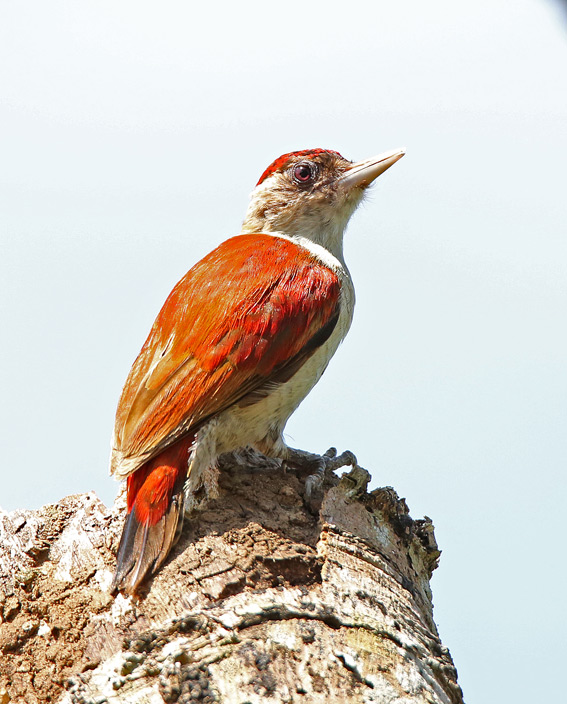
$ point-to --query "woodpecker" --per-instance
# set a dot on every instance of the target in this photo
(239, 343)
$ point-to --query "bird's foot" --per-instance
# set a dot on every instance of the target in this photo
(322, 465)
(247, 458)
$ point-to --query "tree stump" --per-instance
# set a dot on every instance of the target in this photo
(261, 601)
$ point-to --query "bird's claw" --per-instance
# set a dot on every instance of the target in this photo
(326, 464)
(320, 466)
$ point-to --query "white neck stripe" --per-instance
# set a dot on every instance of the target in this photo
(322, 254)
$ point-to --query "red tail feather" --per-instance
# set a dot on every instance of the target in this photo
(155, 514)
(154, 496)
(134, 483)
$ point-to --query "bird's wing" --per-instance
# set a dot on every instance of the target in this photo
(246, 316)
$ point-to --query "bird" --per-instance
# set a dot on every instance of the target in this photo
(240, 341)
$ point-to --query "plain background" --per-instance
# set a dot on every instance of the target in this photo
(131, 136)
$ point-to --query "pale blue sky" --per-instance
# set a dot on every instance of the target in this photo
(131, 135)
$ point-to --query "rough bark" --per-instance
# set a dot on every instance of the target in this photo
(260, 602)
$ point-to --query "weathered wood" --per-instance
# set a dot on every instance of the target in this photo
(260, 602)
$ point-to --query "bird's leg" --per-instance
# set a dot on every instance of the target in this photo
(322, 464)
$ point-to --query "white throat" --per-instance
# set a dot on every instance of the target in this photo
(323, 222)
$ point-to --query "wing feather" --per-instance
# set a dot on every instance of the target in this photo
(247, 315)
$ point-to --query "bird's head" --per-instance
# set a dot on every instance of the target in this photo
(312, 193)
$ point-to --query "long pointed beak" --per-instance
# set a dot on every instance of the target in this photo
(364, 172)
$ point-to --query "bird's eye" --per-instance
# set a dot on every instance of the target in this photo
(303, 173)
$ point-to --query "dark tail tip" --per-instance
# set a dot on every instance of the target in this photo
(144, 547)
